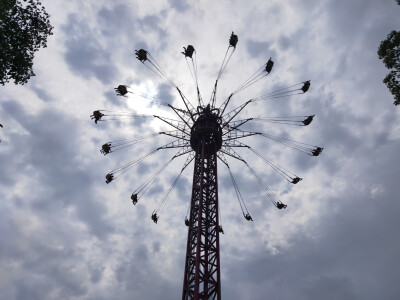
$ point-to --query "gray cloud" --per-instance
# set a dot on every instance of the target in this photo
(42, 94)
(260, 50)
(180, 5)
(84, 53)
(164, 93)
(69, 235)
(51, 159)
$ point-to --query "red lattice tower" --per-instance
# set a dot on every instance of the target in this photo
(202, 267)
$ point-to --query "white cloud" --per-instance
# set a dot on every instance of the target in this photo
(68, 235)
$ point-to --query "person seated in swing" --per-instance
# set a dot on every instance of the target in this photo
(96, 116)
(134, 198)
(154, 217)
(296, 180)
(187, 222)
(233, 40)
(109, 178)
(141, 55)
(269, 65)
(220, 229)
(280, 205)
(121, 90)
(106, 148)
(306, 86)
(188, 51)
(247, 217)
(317, 151)
(308, 120)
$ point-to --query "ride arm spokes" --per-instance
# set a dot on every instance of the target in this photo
(178, 112)
(184, 150)
(222, 158)
(181, 126)
(189, 159)
(232, 153)
(223, 106)
(177, 134)
(214, 94)
(237, 134)
(179, 143)
(186, 102)
(235, 125)
(234, 144)
(232, 114)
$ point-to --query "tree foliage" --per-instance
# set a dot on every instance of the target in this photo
(24, 28)
(389, 51)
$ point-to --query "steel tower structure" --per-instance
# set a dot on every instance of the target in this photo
(202, 267)
(207, 134)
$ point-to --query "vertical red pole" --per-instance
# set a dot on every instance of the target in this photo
(202, 267)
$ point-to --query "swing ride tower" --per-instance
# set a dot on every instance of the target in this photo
(206, 133)
(202, 267)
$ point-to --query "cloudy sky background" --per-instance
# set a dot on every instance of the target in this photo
(68, 235)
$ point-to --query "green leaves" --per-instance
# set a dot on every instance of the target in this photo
(389, 51)
(392, 81)
(24, 28)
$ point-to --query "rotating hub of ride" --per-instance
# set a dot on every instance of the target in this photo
(206, 129)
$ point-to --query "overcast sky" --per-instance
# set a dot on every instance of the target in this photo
(66, 234)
